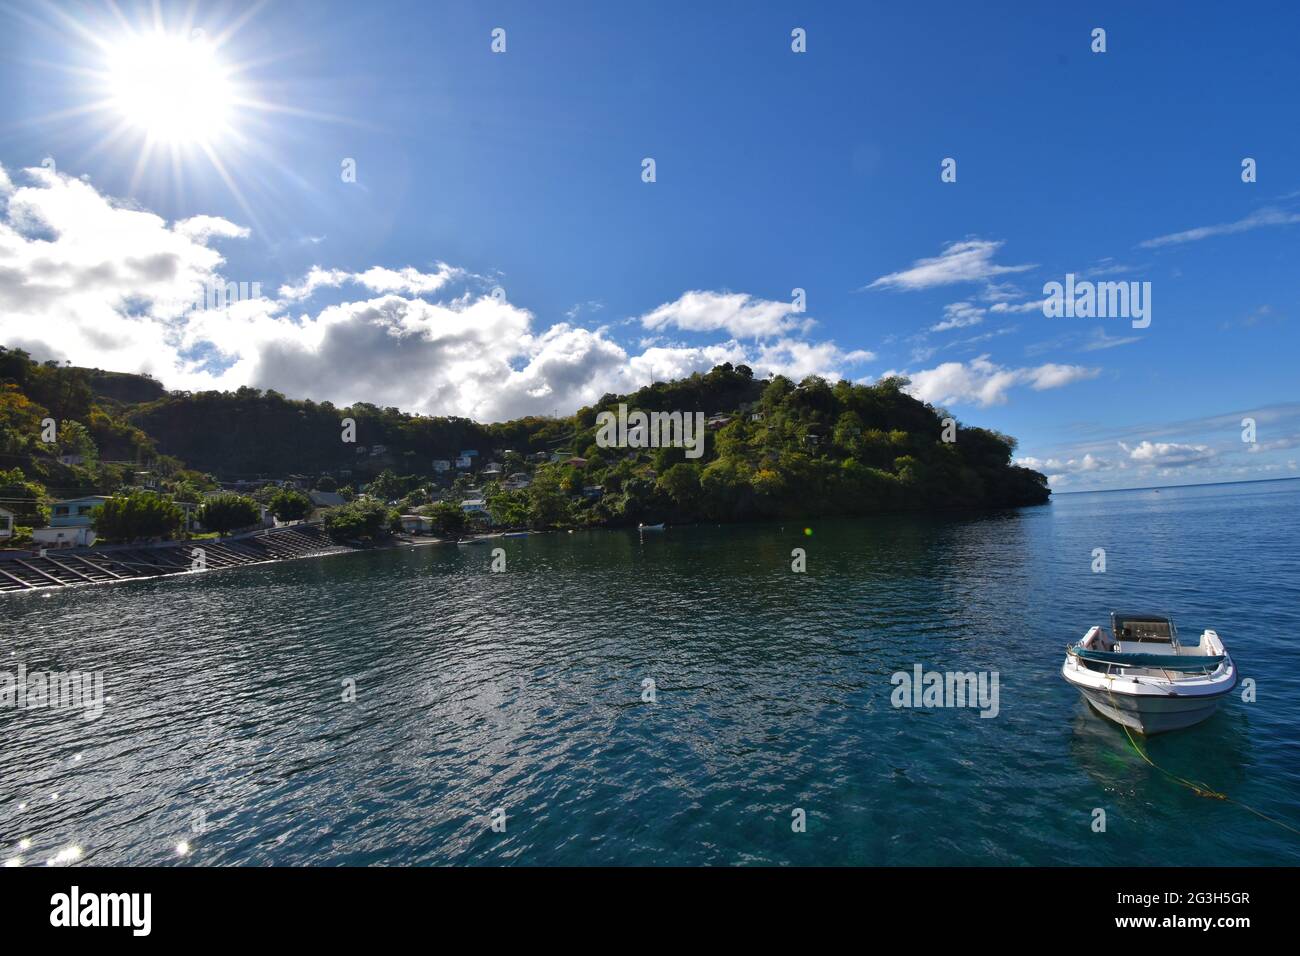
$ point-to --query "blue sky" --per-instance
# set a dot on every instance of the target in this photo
(522, 171)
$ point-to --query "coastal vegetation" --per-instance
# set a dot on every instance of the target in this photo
(362, 521)
(225, 513)
(137, 515)
(772, 448)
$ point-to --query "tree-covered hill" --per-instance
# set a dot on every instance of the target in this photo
(774, 447)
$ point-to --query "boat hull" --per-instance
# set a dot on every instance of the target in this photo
(1152, 715)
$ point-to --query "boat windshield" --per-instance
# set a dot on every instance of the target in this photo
(1143, 629)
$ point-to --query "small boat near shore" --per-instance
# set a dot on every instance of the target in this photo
(1145, 678)
(650, 527)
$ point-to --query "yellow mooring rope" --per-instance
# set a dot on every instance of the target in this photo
(1201, 790)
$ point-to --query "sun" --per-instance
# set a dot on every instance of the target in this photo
(174, 89)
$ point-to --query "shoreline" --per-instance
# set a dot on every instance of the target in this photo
(25, 572)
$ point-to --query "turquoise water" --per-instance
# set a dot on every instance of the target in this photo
(523, 691)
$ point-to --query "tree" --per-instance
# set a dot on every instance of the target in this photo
(140, 514)
(357, 521)
(23, 498)
(681, 483)
(326, 483)
(547, 504)
(508, 509)
(289, 504)
(186, 491)
(74, 439)
(225, 513)
(448, 518)
(386, 486)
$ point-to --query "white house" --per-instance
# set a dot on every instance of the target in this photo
(474, 506)
(416, 524)
(69, 523)
(6, 524)
(64, 537)
(441, 464)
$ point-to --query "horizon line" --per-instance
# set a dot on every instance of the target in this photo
(1192, 484)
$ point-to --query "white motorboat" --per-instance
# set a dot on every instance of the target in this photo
(650, 527)
(1147, 679)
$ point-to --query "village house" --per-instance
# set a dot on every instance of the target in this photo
(6, 524)
(69, 523)
(416, 524)
(326, 499)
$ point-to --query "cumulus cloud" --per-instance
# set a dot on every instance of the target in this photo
(1256, 220)
(409, 281)
(1168, 454)
(1087, 463)
(739, 315)
(85, 279)
(203, 228)
(982, 382)
(968, 261)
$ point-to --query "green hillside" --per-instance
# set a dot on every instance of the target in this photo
(776, 448)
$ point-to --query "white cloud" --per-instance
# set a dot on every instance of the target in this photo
(959, 315)
(1100, 340)
(203, 228)
(409, 281)
(1087, 463)
(105, 285)
(981, 382)
(1033, 305)
(1256, 220)
(1168, 454)
(739, 315)
(968, 261)
(101, 285)
(1052, 375)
